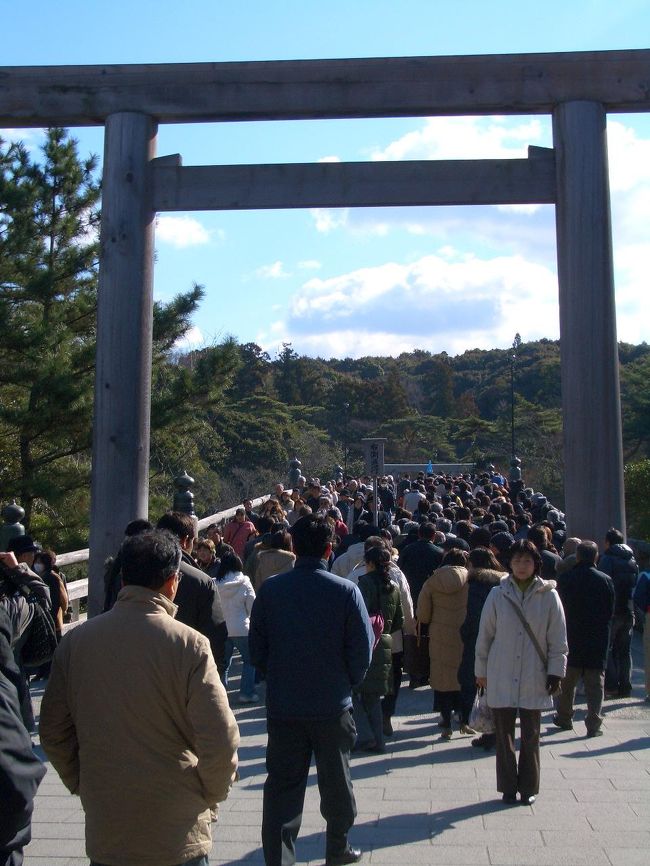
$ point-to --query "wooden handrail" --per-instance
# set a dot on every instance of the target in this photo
(78, 589)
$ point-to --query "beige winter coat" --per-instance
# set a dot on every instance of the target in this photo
(136, 721)
(442, 603)
(270, 562)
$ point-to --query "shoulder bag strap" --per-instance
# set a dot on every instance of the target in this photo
(529, 630)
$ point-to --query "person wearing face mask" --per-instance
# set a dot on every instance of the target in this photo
(521, 656)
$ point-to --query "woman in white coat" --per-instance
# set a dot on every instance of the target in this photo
(509, 666)
(237, 596)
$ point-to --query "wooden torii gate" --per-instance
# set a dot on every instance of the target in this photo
(577, 89)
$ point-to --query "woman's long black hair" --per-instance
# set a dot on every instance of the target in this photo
(229, 562)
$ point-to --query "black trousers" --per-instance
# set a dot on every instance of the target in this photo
(292, 742)
(513, 775)
(388, 701)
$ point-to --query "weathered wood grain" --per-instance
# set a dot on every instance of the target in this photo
(372, 87)
(355, 184)
(593, 450)
(121, 422)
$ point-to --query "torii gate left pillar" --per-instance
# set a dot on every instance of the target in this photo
(121, 425)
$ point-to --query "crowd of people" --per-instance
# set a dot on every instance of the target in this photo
(321, 591)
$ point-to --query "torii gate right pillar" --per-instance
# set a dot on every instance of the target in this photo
(593, 448)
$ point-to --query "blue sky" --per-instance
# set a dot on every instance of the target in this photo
(367, 281)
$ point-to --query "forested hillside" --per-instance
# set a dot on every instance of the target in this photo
(429, 407)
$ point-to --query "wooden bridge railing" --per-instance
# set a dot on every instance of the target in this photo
(78, 589)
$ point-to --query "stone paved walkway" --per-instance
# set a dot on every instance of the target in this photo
(434, 802)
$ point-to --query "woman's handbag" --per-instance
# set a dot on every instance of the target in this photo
(377, 623)
(416, 654)
(480, 717)
(540, 652)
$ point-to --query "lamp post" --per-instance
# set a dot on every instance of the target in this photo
(346, 418)
(516, 343)
(512, 404)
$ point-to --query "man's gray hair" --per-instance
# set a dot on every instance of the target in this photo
(149, 559)
(587, 551)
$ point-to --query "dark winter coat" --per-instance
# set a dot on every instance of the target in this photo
(112, 580)
(418, 561)
(14, 592)
(619, 563)
(550, 563)
(387, 498)
(642, 593)
(311, 636)
(199, 606)
(20, 769)
(588, 599)
(379, 679)
(480, 582)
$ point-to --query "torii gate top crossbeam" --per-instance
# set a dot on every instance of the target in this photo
(303, 89)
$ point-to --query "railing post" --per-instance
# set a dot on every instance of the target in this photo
(295, 471)
(183, 496)
(12, 514)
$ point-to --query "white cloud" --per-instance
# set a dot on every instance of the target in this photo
(274, 271)
(354, 344)
(629, 157)
(330, 159)
(310, 265)
(519, 208)
(519, 230)
(451, 303)
(629, 160)
(192, 339)
(466, 138)
(329, 220)
(8, 134)
(181, 231)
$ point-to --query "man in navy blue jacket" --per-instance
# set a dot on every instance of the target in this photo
(311, 637)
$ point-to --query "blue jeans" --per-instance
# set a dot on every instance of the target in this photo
(197, 861)
(247, 686)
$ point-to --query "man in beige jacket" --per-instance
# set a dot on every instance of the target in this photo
(136, 721)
